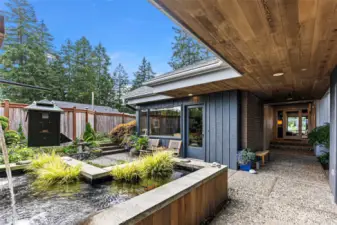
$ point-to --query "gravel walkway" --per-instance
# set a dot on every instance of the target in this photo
(288, 190)
(113, 159)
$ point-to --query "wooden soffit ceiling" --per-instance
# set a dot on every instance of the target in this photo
(262, 37)
(2, 29)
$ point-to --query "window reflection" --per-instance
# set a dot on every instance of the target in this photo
(195, 127)
(143, 122)
(165, 121)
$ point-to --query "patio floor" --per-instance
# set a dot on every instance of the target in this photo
(288, 190)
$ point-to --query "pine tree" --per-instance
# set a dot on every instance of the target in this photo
(21, 21)
(84, 79)
(104, 83)
(186, 50)
(121, 82)
(143, 74)
(45, 38)
(25, 56)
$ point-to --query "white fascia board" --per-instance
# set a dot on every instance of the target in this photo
(219, 75)
(153, 98)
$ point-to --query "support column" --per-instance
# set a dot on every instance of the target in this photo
(333, 134)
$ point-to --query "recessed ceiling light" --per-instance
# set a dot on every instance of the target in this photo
(190, 94)
(278, 74)
(304, 69)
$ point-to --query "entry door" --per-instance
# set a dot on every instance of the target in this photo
(195, 125)
(293, 129)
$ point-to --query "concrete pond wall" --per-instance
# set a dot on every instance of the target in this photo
(188, 200)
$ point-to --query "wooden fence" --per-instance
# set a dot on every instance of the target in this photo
(73, 120)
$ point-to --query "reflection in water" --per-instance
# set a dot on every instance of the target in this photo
(67, 204)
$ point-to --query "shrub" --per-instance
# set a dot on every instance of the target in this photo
(20, 132)
(119, 132)
(18, 153)
(324, 158)
(129, 172)
(89, 134)
(4, 122)
(142, 143)
(56, 171)
(12, 137)
(320, 136)
(157, 166)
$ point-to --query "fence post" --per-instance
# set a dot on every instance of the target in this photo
(74, 123)
(86, 115)
(95, 121)
(6, 110)
(123, 118)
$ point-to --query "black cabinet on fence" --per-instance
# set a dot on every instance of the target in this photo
(43, 124)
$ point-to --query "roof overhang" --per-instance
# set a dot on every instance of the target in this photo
(261, 38)
(2, 29)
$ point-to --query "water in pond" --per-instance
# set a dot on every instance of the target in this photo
(66, 205)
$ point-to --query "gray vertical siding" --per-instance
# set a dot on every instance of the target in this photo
(222, 124)
(333, 134)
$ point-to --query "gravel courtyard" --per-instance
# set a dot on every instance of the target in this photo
(288, 190)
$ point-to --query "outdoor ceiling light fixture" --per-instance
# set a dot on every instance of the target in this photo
(278, 74)
(190, 94)
(304, 69)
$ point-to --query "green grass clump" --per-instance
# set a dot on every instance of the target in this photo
(51, 169)
(42, 159)
(57, 172)
(129, 172)
(158, 165)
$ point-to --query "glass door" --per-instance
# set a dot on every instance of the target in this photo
(293, 125)
(195, 132)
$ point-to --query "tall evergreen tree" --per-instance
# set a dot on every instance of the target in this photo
(121, 83)
(186, 50)
(45, 38)
(84, 79)
(21, 22)
(143, 74)
(104, 82)
(24, 59)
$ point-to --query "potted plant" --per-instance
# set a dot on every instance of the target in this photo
(245, 159)
(320, 136)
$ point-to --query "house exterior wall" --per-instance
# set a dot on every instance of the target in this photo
(252, 122)
(222, 124)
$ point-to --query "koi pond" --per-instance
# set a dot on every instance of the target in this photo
(67, 204)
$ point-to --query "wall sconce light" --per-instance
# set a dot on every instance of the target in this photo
(279, 122)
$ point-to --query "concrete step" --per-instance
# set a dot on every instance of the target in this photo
(107, 144)
(290, 142)
(108, 148)
(109, 152)
(292, 152)
(291, 147)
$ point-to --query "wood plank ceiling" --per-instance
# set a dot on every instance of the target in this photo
(2, 29)
(262, 37)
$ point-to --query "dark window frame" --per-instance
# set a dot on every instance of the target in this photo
(149, 123)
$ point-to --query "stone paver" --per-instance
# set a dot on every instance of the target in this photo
(288, 190)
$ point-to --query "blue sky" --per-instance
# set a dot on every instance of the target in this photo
(129, 29)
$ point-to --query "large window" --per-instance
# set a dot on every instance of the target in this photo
(165, 122)
(143, 122)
